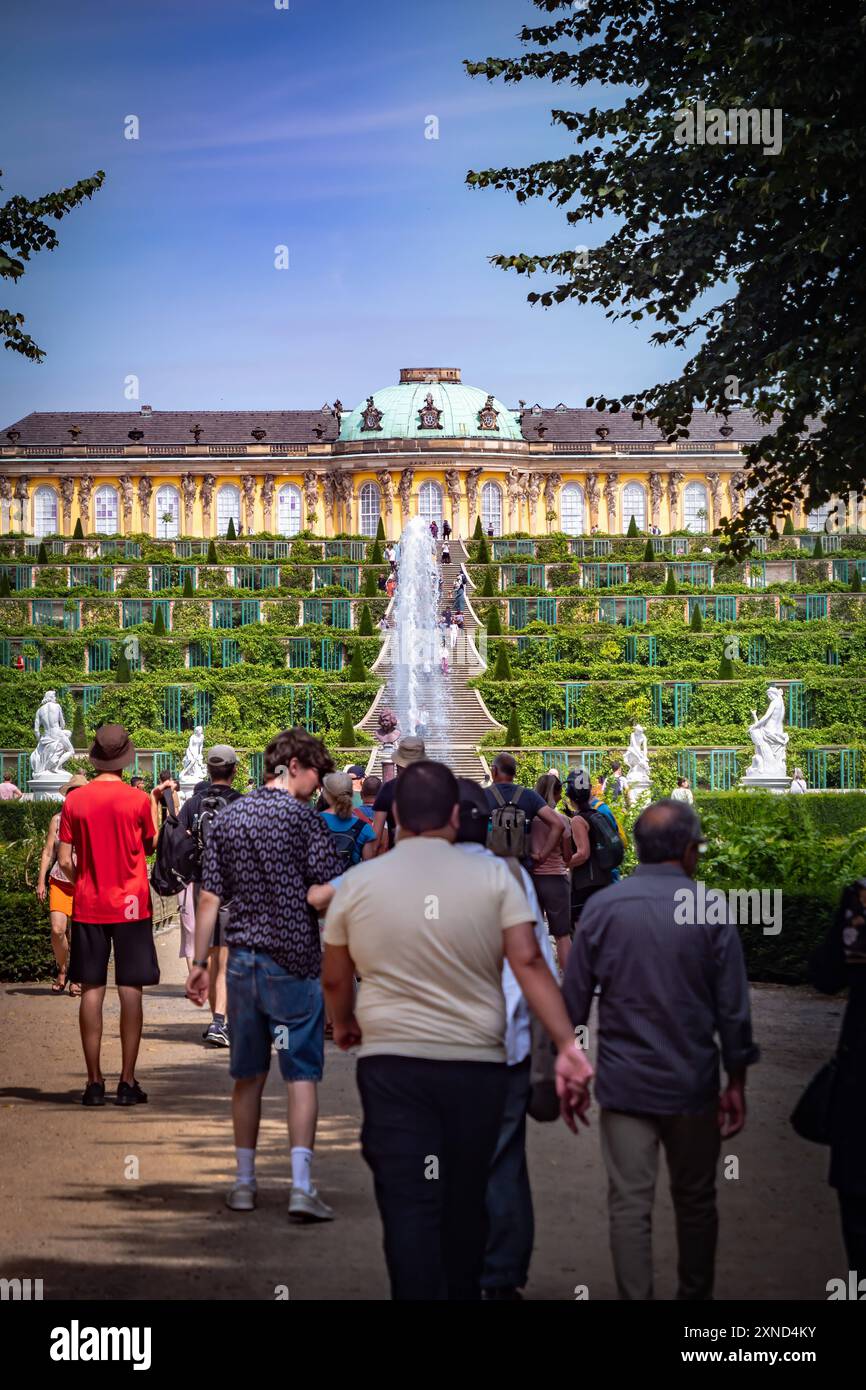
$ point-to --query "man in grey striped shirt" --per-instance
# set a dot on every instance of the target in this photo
(669, 984)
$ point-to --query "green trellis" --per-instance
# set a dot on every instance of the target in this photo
(573, 691)
(724, 771)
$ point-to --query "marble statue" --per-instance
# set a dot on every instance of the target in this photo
(769, 737)
(54, 747)
(637, 760)
(193, 759)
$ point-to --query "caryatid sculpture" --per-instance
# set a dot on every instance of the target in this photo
(54, 746)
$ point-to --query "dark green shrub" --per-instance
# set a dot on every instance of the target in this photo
(122, 675)
(78, 533)
(726, 669)
(347, 730)
(370, 587)
(380, 530)
(376, 552)
(649, 553)
(231, 533)
(856, 583)
(365, 626)
(212, 557)
(494, 622)
(670, 583)
(788, 528)
(188, 590)
(479, 529)
(818, 552)
(697, 623)
(502, 667)
(487, 589)
(632, 531)
(42, 557)
(512, 732)
(159, 629)
(79, 732)
(356, 669)
(25, 937)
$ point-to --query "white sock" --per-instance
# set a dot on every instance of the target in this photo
(246, 1159)
(302, 1162)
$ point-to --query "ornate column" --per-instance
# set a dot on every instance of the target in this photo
(552, 484)
(797, 513)
(344, 495)
(735, 496)
(266, 492)
(655, 487)
(187, 492)
(513, 489)
(126, 500)
(472, 476)
(22, 497)
(404, 492)
(67, 492)
(329, 496)
(455, 496)
(248, 487)
(386, 487)
(532, 492)
(675, 482)
(592, 495)
(715, 482)
(85, 488)
(311, 499)
(208, 483)
(610, 493)
(5, 503)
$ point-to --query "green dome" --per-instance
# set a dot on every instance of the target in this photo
(459, 408)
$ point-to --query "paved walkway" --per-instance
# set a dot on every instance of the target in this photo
(72, 1216)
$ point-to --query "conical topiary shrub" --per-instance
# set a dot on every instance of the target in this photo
(370, 586)
(512, 733)
(818, 552)
(159, 628)
(479, 529)
(231, 533)
(697, 623)
(856, 583)
(122, 674)
(649, 553)
(502, 667)
(670, 583)
(726, 669)
(487, 589)
(483, 556)
(42, 557)
(788, 528)
(188, 590)
(78, 533)
(365, 626)
(79, 732)
(632, 531)
(380, 530)
(212, 557)
(357, 670)
(347, 731)
(5, 586)
(494, 622)
(376, 552)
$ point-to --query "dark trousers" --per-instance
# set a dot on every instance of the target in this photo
(511, 1222)
(852, 1208)
(429, 1134)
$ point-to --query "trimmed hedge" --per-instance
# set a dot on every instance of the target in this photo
(25, 938)
(21, 819)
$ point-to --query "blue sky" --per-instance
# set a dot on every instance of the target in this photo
(303, 127)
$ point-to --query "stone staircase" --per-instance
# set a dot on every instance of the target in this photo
(468, 717)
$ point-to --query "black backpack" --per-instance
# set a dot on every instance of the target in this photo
(508, 833)
(346, 844)
(176, 859)
(606, 853)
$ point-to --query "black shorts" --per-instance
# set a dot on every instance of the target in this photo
(135, 961)
(218, 935)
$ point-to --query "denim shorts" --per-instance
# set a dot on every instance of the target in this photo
(268, 1006)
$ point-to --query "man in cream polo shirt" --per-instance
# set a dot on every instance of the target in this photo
(426, 928)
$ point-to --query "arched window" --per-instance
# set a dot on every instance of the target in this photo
(571, 509)
(371, 507)
(106, 504)
(228, 508)
(44, 512)
(633, 505)
(167, 513)
(430, 502)
(817, 520)
(695, 507)
(288, 510)
(491, 508)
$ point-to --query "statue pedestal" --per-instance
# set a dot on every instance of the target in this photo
(186, 785)
(637, 790)
(765, 782)
(46, 786)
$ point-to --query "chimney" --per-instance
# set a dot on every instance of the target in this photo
(146, 410)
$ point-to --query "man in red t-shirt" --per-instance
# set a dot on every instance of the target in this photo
(103, 843)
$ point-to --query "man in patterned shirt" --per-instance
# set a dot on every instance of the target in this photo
(265, 852)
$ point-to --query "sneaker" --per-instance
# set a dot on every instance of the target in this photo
(217, 1035)
(308, 1206)
(94, 1093)
(130, 1093)
(242, 1197)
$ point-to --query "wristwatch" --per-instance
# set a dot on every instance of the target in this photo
(202, 964)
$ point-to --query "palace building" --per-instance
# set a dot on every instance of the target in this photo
(429, 445)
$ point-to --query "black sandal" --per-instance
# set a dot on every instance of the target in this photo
(57, 987)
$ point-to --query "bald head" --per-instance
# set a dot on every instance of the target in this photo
(668, 832)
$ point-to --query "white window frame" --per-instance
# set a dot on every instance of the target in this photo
(228, 504)
(287, 516)
(369, 508)
(491, 491)
(40, 523)
(430, 501)
(572, 510)
(628, 511)
(691, 521)
(111, 513)
(167, 499)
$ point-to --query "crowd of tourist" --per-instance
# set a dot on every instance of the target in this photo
(456, 937)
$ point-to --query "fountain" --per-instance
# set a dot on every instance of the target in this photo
(421, 693)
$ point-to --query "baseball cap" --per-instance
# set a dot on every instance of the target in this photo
(410, 750)
(222, 755)
(579, 780)
(356, 770)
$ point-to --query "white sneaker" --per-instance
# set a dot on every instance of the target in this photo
(242, 1197)
(308, 1206)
